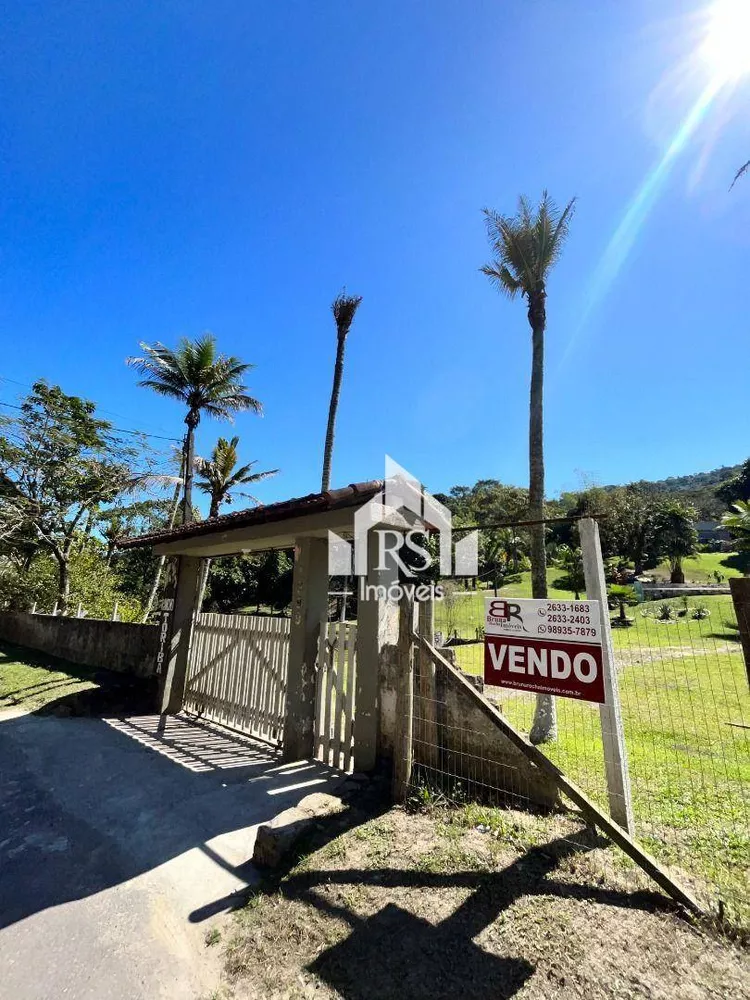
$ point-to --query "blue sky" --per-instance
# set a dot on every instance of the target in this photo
(184, 166)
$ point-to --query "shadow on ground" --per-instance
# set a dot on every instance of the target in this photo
(396, 953)
(95, 791)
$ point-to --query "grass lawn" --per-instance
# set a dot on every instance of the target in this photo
(686, 709)
(30, 680)
(700, 568)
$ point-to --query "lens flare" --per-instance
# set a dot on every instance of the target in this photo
(724, 51)
(726, 47)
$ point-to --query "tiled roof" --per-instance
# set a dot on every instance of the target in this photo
(353, 495)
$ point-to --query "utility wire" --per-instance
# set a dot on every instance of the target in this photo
(101, 409)
(122, 430)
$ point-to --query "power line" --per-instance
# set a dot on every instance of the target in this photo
(121, 430)
(101, 409)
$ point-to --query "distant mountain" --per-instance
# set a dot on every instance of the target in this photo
(698, 489)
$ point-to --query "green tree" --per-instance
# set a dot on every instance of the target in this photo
(525, 248)
(344, 308)
(220, 479)
(623, 596)
(736, 488)
(59, 464)
(675, 535)
(570, 561)
(738, 522)
(205, 381)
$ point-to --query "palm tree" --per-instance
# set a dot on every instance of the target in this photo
(739, 523)
(219, 478)
(344, 307)
(202, 379)
(675, 535)
(525, 248)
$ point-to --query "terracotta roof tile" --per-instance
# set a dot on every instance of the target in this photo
(349, 496)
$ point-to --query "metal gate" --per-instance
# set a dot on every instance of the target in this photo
(238, 670)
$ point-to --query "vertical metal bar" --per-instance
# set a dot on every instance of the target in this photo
(610, 714)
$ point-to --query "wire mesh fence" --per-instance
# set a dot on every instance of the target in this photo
(685, 701)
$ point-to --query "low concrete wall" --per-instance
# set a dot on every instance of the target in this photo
(125, 647)
(667, 591)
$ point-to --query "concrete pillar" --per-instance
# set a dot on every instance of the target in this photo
(740, 589)
(181, 630)
(309, 609)
(377, 639)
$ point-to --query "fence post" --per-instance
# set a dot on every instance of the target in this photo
(33, 608)
(426, 687)
(80, 609)
(613, 737)
(740, 590)
(114, 613)
(54, 609)
(403, 750)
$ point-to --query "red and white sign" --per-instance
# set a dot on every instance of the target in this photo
(548, 647)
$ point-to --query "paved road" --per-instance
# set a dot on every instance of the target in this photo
(119, 846)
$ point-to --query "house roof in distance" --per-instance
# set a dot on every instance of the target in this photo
(353, 495)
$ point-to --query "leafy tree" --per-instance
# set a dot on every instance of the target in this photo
(736, 488)
(219, 477)
(571, 562)
(344, 308)
(675, 535)
(205, 381)
(525, 248)
(59, 463)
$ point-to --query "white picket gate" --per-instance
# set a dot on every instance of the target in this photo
(237, 674)
(334, 714)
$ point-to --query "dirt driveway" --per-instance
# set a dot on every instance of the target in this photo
(121, 844)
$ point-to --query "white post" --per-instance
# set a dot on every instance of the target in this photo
(80, 609)
(613, 738)
(114, 612)
(33, 608)
(54, 610)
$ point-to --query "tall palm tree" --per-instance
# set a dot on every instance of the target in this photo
(219, 478)
(344, 307)
(525, 248)
(201, 378)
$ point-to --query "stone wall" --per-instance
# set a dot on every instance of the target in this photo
(124, 647)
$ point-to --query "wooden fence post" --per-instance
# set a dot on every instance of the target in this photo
(426, 687)
(403, 750)
(740, 590)
(114, 612)
(613, 737)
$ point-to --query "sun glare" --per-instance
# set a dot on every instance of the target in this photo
(726, 47)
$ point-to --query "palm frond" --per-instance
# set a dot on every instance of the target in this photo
(740, 173)
(344, 308)
(526, 245)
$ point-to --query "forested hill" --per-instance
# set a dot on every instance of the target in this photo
(698, 489)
